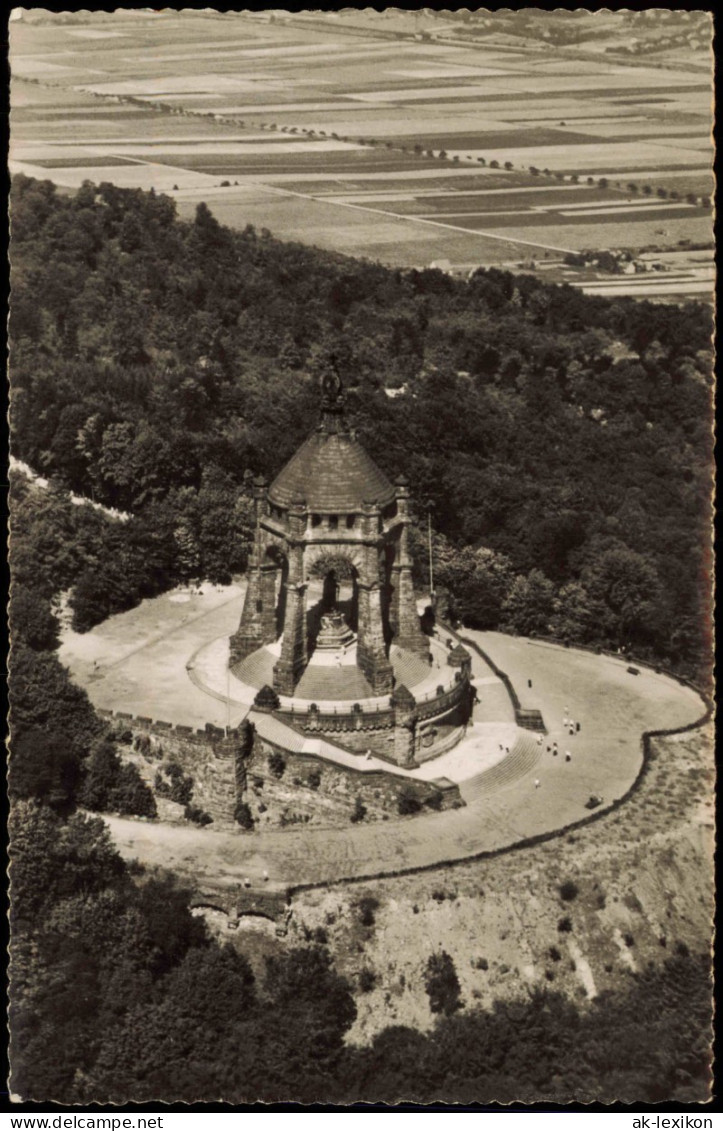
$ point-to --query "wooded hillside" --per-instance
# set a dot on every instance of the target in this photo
(562, 441)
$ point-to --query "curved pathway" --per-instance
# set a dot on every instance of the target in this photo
(613, 706)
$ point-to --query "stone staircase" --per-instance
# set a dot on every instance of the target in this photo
(328, 681)
(410, 669)
(257, 669)
(321, 682)
(523, 757)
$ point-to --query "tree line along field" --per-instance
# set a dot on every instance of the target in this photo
(372, 93)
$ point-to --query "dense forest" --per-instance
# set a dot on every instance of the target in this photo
(561, 445)
(62, 752)
(118, 991)
(561, 442)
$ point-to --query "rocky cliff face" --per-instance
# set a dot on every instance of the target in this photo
(579, 914)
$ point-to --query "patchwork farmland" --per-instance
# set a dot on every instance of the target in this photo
(390, 136)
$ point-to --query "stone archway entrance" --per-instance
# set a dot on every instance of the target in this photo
(332, 603)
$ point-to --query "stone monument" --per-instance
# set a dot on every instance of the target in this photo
(330, 503)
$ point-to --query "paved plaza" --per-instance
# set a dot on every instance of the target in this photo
(515, 787)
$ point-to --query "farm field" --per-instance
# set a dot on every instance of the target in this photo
(375, 138)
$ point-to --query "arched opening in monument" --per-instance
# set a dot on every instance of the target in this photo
(332, 603)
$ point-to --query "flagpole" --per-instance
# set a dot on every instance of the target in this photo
(431, 566)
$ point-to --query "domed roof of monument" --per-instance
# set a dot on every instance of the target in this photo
(333, 473)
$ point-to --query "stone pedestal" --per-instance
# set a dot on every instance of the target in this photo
(334, 634)
(460, 658)
(405, 726)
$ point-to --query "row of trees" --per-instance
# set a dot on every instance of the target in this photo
(615, 598)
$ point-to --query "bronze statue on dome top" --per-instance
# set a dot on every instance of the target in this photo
(331, 386)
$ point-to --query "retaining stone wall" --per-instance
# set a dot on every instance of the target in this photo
(221, 778)
(379, 791)
(380, 742)
(208, 757)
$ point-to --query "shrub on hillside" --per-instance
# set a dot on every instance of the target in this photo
(407, 803)
(131, 795)
(32, 620)
(43, 766)
(359, 812)
(242, 815)
(112, 785)
(434, 801)
(367, 980)
(442, 984)
(568, 891)
(366, 906)
(277, 765)
(171, 782)
(198, 816)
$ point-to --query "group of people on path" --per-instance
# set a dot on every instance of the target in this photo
(572, 727)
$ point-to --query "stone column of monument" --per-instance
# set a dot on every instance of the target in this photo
(407, 628)
(258, 617)
(294, 653)
(371, 654)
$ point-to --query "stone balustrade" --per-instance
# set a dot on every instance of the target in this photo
(398, 721)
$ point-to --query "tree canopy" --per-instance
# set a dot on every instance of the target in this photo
(175, 361)
(119, 992)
